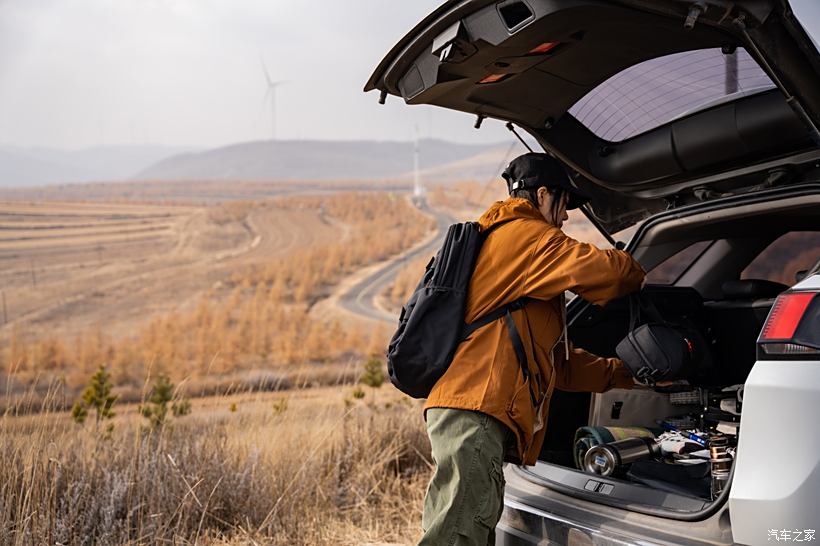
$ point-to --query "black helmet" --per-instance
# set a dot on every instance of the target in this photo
(535, 170)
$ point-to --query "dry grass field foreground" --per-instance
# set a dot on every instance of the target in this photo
(217, 296)
(301, 468)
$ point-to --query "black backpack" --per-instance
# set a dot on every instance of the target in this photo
(431, 324)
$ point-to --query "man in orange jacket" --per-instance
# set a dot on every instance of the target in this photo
(483, 410)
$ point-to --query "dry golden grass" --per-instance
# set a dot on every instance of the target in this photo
(307, 465)
(316, 468)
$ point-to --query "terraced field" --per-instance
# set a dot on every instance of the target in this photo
(65, 267)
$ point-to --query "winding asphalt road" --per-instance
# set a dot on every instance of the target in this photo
(360, 298)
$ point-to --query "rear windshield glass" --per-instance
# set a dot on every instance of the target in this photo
(657, 91)
(668, 271)
(787, 256)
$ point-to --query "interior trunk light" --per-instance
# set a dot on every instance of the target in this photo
(785, 316)
(493, 78)
(543, 48)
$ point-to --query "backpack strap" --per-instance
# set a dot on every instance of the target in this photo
(641, 306)
(518, 345)
(469, 329)
(521, 354)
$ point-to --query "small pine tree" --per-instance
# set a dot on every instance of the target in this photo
(79, 412)
(97, 395)
(156, 411)
(181, 407)
(373, 375)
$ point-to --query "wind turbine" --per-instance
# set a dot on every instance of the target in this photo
(271, 92)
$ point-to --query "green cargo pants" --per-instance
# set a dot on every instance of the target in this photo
(465, 497)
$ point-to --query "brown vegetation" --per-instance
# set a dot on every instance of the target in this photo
(405, 282)
(192, 192)
(371, 230)
(310, 469)
(466, 200)
(256, 318)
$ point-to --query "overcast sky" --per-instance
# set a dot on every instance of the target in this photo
(83, 73)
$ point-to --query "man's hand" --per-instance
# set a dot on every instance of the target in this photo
(640, 384)
(657, 384)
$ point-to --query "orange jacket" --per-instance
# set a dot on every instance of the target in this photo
(524, 255)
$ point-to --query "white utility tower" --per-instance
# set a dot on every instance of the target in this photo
(271, 93)
(418, 188)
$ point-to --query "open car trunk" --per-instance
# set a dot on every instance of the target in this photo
(652, 105)
(730, 315)
(680, 483)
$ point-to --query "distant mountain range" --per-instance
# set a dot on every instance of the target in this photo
(280, 160)
(312, 160)
(26, 167)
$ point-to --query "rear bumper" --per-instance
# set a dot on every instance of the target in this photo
(537, 515)
(524, 525)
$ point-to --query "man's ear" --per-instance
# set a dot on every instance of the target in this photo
(541, 195)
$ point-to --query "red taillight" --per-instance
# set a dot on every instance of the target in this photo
(785, 316)
(543, 48)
